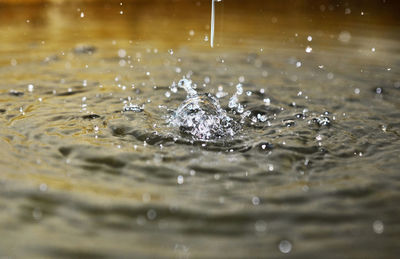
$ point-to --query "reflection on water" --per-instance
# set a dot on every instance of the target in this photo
(91, 167)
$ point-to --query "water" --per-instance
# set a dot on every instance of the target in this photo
(91, 166)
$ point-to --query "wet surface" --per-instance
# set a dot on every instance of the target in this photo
(92, 167)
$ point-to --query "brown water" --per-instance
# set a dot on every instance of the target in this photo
(80, 178)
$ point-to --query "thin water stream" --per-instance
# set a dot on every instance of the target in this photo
(289, 146)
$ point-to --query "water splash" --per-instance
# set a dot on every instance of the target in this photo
(201, 116)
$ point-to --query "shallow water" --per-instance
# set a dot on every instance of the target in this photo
(316, 174)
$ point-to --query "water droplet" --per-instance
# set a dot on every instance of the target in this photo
(255, 200)
(285, 246)
(239, 89)
(180, 179)
(121, 53)
(43, 187)
(260, 226)
(344, 36)
(30, 87)
(378, 227)
(151, 214)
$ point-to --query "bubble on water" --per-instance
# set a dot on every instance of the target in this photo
(151, 214)
(373, 49)
(267, 101)
(344, 36)
(43, 187)
(167, 94)
(330, 75)
(347, 11)
(285, 246)
(323, 121)
(180, 179)
(171, 51)
(241, 79)
(357, 91)
(260, 226)
(309, 38)
(255, 200)
(308, 49)
(82, 14)
(13, 62)
(191, 32)
(378, 227)
(298, 64)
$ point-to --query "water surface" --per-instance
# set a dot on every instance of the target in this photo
(312, 171)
